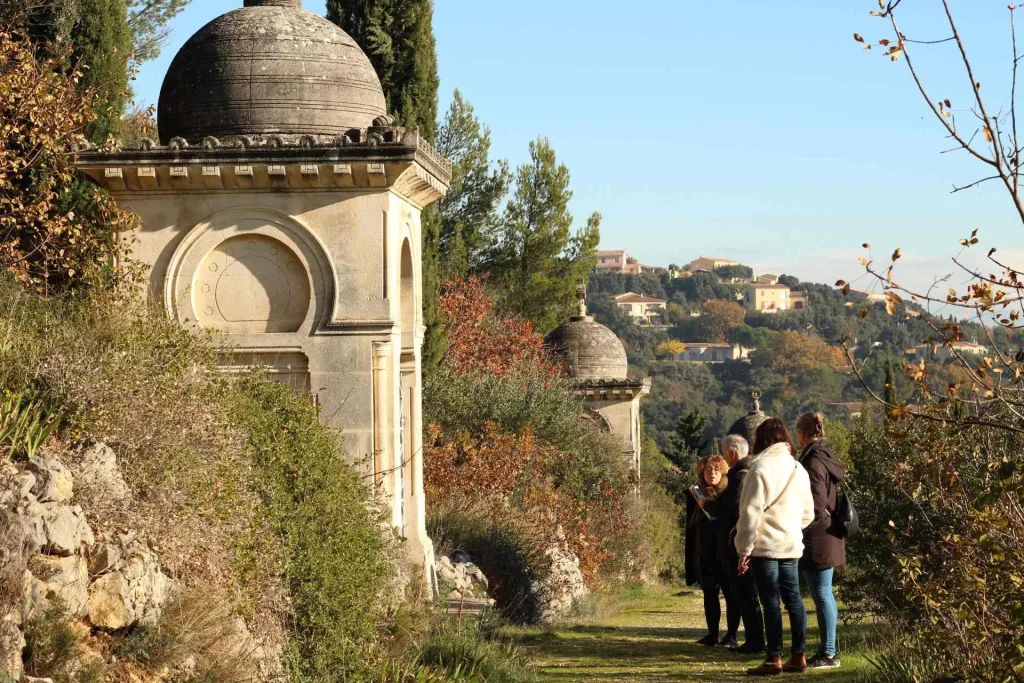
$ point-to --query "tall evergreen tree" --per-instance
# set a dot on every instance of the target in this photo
(890, 381)
(103, 43)
(398, 37)
(93, 36)
(538, 260)
(471, 211)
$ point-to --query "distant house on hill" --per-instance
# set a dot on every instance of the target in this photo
(768, 279)
(871, 297)
(705, 352)
(943, 352)
(644, 310)
(618, 261)
(707, 263)
(773, 298)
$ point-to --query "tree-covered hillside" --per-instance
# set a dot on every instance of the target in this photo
(798, 363)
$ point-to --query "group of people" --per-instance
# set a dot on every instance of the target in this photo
(755, 523)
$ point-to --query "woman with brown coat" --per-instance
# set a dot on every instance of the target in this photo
(823, 552)
(703, 563)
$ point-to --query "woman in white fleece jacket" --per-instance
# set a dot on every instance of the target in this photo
(775, 507)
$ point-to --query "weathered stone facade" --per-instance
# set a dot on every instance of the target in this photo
(284, 212)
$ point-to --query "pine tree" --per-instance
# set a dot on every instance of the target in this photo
(470, 212)
(148, 20)
(539, 260)
(688, 441)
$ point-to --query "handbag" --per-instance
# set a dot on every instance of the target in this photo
(845, 522)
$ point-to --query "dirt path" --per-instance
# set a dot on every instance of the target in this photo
(651, 638)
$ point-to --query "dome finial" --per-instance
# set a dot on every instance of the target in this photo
(755, 395)
(581, 297)
(297, 4)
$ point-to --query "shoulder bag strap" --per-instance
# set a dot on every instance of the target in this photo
(786, 488)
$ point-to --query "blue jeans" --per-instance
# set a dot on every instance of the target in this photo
(820, 584)
(775, 578)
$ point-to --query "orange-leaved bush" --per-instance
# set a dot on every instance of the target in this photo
(506, 445)
(481, 340)
(507, 476)
(56, 231)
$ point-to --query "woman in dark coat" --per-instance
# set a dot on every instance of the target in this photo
(703, 563)
(823, 552)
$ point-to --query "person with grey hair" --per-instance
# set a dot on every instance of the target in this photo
(727, 510)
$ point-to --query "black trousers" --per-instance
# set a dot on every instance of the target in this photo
(713, 609)
(744, 594)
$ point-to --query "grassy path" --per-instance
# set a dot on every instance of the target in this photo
(651, 638)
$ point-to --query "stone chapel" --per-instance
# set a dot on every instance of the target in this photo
(281, 208)
(596, 361)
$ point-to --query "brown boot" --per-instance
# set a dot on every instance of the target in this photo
(797, 664)
(772, 666)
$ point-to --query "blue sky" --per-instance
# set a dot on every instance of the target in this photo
(744, 129)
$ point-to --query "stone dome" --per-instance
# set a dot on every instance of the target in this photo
(590, 349)
(747, 425)
(269, 68)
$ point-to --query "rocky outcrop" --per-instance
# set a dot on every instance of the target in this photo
(562, 586)
(114, 584)
(461, 578)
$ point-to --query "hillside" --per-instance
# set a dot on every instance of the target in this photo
(796, 361)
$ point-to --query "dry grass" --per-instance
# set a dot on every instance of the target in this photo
(197, 636)
(123, 374)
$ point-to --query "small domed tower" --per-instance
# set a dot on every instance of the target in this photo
(596, 360)
(281, 208)
(747, 425)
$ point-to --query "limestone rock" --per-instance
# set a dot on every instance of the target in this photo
(108, 602)
(133, 591)
(461, 577)
(66, 528)
(30, 679)
(54, 482)
(103, 557)
(563, 585)
(24, 482)
(97, 471)
(12, 642)
(64, 578)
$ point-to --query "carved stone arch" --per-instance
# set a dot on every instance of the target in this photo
(251, 270)
(596, 419)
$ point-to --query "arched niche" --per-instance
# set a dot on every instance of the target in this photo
(250, 271)
(407, 298)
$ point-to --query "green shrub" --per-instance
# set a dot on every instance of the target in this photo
(468, 401)
(337, 568)
(470, 653)
(941, 544)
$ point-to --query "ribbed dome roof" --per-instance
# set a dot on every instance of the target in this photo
(269, 68)
(590, 349)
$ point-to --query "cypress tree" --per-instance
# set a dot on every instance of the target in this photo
(398, 37)
(93, 36)
(103, 43)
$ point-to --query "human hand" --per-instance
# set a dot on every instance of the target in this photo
(701, 502)
(744, 565)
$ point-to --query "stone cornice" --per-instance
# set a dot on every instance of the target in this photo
(382, 157)
(612, 389)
